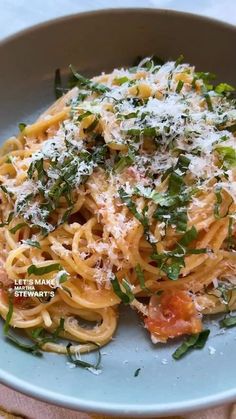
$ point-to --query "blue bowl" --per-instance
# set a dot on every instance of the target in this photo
(94, 42)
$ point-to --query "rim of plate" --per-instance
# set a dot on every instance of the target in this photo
(145, 410)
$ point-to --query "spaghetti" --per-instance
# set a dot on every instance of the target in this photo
(122, 191)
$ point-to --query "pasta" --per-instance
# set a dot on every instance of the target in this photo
(123, 191)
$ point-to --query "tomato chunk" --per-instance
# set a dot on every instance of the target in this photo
(172, 314)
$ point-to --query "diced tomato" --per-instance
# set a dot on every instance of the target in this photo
(172, 314)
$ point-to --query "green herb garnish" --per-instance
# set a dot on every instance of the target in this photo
(136, 373)
(9, 314)
(179, 86)
(126, 297)
(83, 364)
(32, 243)
(223, 88)
(42, 270)
(126, 199)
(228, 155)
(21, 126)
(82, 81)
(228, 322)
(58, 90)
(196, 341)
(17, 227)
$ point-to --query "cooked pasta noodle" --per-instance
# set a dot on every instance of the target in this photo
(124, 190)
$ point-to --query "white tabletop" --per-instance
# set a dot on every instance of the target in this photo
(16, 15)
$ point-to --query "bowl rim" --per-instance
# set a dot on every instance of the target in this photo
(72, 16)
(75, 403)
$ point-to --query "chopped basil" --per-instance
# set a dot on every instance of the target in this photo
(136, 373)
(5, 190)
(218, 203)
(126, 297)
(230, 233)
(82, 81)
(67, 290)
(228, 156)
(57, 84)
(121, 80)
(9, 314)
(223, 88)
(126, 199)
(125, 161)
(208, 102)
(37, 332)
(91, 127)
(228, 322)
(32, 243)
(21, 126)
(42, 270)
(179, 86)
(196, 341)
(84, 115)
(59, 329)
(172, 261)
(33, 349)
(63, 278)
(83, 364)
(9, 219)
(17, 227)
(140, 276)
(179, 60)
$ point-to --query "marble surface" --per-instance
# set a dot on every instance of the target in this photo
(20, 14)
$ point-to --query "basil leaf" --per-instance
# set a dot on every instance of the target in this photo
(9, 314)
(179, 60)
(42, 270)
(132, 207)
(179, 86)
(228, 322)
(37, 332)
(67, 290)
(125, 161)
(208, 102)
(80, 363)
(57, 84)
(224, 88)
(34, 349)
(218, 203)
(230, 233)
(188, 237)
(196, 341)
(63, 278)
(32, 243)
(121, 80)
(84, 115)
(140, 276)
(17, 227)
(128, 290)
(21, 126)
(137, 372)
(84, 82)
(203, 336)
(127, 297)
(228, 155)
(91, 127)
(176, 183)
(9, 219)
(59, 329)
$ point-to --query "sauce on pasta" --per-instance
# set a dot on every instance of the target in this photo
(123, 191)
